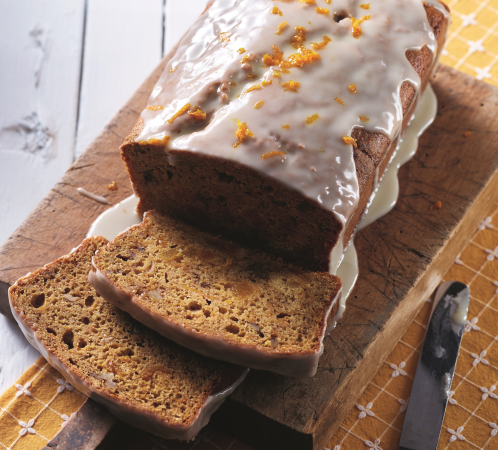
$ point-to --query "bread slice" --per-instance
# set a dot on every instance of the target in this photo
(218, 298)
(142, 378)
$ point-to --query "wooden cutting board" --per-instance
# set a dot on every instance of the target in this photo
(402, 257)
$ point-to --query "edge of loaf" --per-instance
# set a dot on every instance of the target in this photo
(258, 193)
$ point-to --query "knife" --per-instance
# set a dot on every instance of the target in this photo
(436, 365)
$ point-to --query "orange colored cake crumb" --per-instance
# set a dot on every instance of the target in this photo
(113, 186)
(437, 205)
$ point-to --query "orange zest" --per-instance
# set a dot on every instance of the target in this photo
(172, 69)
(180, 112)
(276, 11)
(269, 155)
(281, 27)
(241, 50)
(322, 10)
(259, 104)
(338, 100)
(305, 56)
(298, 39)
(365, 6)
(352, 88)
(276, 74)
(154, 141)
(312, 118)
(285, 127)
(308, 2)
(154, 108)
(320, 45)
(348, 140)
(197, 114)
(356, 29)
(224, 37)
(291, 85)
(242, 133)
(364, 118)
(254, 87)
(266, 82)
(273, 60)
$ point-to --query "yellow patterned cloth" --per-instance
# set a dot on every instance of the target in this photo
(35, 409)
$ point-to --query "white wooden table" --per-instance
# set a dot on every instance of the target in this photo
(66, 67)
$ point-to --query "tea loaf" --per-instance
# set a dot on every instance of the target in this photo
(274, 121)
(218, 298)
(142, 378)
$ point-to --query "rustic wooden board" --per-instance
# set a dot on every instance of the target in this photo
(402, 258)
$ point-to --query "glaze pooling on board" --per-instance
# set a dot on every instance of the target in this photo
(227, 45)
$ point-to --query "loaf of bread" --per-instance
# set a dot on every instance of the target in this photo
(142, 378)
(218, 298)
(274, 120)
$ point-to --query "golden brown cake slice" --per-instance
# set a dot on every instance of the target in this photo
(142, 378)
(218, 298)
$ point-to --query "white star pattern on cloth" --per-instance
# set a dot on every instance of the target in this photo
(492, 254)
(404, 405)
(445, 52)
(66, 418)
(468, 20)
(365, 410)
(337, 447)
(459, 261)
(494, 427)
(496, 284)
(471, 325)
(456, 434)
(479, 358)
(398, 370)
(23, 389)
(482, 73)
(486, 223)
(63, 385)
(374, 445)
(475, 46)
(27, 427)
(488, 392)
(451, 399)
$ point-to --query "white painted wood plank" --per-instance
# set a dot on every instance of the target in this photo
(178, 18)
(40, 56)
(123, 44)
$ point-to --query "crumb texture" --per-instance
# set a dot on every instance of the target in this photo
(107, 348)
(216, 287)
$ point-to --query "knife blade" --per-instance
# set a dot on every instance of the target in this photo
(436, 366)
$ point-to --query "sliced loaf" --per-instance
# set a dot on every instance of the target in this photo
(218, 298)
(142, 378)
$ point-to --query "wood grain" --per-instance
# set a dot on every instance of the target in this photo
(402, 257)
(91, 427)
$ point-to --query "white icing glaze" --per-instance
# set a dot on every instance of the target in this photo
(97, 198)
(385, 196)
(460, 308)
(137, 417)
(289, 364)
(116, 219)
(316, 162)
